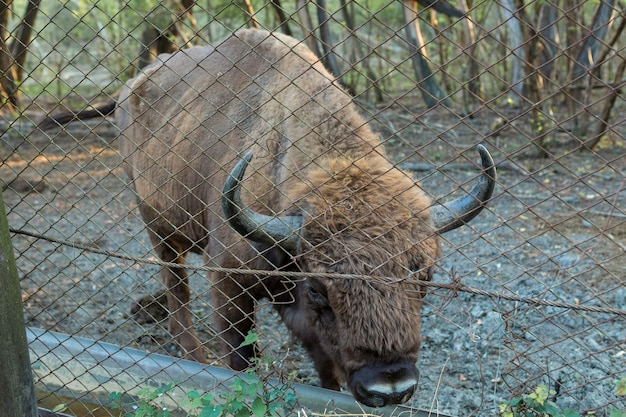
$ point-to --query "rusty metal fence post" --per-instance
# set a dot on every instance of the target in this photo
(16, 381)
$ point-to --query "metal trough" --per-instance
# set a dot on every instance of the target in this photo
(90, 370)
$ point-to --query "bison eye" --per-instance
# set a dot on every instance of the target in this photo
(316, 296)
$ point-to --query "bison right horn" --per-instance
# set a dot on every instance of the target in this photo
(458, 212)
(273, 230)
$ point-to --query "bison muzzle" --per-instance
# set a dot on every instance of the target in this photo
(250, 154)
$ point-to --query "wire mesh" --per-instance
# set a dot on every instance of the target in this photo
(529, 293)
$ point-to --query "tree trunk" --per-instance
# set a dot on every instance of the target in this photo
(153, 43)
(602, 125)
(592, 41)
(357, 56)
(508, 12)
(8, 90)
(248, 9)
(329, 57)
(307, 26)
(586, 62)
(429, 88)
(469, 48)
(618, 80)
(13, 55)
(19, 46)
(164, 26)
(549, 40)
(539, 48)
(282, 18)
(17, 388)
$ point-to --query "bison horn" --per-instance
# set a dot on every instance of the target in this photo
(458, 212)
(258, 227)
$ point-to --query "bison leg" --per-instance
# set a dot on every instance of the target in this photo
(233, 318)
(324, 366)
(297, 320)
(178, 297)
(151, 308)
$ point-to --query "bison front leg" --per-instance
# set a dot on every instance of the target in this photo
(179, 322)
(299, 319)
(178, 298)
(233, 318)
(324, 366)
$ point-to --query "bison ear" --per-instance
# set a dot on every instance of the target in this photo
(272, 230)
(458, 212)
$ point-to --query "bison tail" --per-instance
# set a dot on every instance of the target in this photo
(60, 119)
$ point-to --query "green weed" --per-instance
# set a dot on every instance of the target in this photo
(536, 404)
(250, 394)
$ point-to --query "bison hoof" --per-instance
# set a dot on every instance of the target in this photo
(151, 308)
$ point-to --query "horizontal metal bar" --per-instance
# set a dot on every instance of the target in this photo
(107, 367)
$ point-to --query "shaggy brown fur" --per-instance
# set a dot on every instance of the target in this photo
(187, 120)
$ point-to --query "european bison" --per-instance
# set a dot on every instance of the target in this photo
(311, 190)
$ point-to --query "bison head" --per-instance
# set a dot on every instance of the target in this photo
(360, 218)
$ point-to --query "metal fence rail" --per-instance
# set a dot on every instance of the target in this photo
(529, 293)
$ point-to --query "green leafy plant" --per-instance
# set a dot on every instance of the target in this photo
(146, 402)
(535, 404)
(252, 393)
(620, 391)
(621, 387)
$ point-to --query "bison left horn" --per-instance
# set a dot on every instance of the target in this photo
(458, 212)
(258, 227)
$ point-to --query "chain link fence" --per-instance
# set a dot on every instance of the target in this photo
(531, 293)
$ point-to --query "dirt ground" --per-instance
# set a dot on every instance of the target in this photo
(556, 230)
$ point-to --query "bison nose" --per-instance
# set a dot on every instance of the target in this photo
(380, 385)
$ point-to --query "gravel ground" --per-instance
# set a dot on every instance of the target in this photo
(556, 234)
